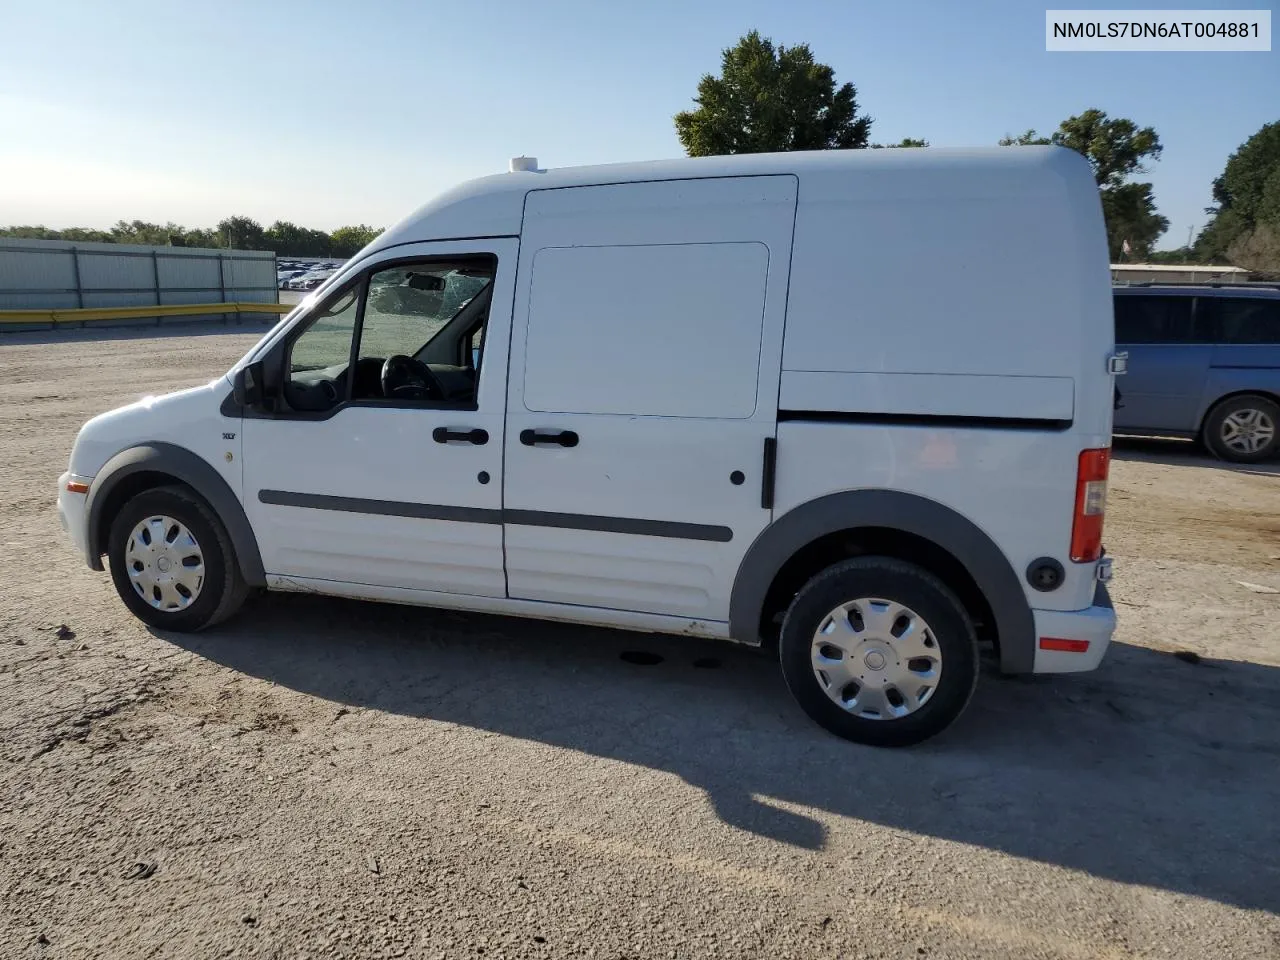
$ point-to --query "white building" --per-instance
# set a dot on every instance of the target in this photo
(1175, 273)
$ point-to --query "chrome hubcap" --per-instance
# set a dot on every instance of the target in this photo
(165, 563)
(1247, 431)
(877, 659)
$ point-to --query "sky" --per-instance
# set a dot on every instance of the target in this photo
(328, 113)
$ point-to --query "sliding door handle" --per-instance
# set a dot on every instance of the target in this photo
(548, 438)
(445, 435)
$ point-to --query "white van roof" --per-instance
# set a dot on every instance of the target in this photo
(494, 206)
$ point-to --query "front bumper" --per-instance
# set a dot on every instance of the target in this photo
(71, 513)
(1088, 631)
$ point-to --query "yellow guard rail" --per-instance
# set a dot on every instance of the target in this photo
(82, 314)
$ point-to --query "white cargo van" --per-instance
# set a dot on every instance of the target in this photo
(853, 404)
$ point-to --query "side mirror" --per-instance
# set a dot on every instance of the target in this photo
(247, 385)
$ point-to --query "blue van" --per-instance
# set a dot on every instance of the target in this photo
(1204, 363)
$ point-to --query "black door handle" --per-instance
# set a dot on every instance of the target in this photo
(562, 438)
(445, 435)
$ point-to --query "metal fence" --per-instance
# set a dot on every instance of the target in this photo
(51, 274)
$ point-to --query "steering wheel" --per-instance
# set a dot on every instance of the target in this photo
(404, 378)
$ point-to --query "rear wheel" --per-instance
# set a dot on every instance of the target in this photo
(879, 651)
(172, 562)
(1244, 429)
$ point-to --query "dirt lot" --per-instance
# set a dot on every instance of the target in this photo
(330, 779)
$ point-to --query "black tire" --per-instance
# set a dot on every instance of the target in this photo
(223, 589)
(1213, 428)
(881, 578)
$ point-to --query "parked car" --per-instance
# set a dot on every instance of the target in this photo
(1204, 362)
(605, 425)
(307, 280)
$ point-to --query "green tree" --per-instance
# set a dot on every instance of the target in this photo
(293, 240)
(1246, 202)
(1181, 255)
(241, 233)
(201, 237)
(904, 142)
(41, 232)
(346, 241)
(1116, 149)
(1130, 214)
(285, 237)
(152, 234)
(84, 235)
(31, 232)
(235, 233)
(1258, 250)
(770, 99)
(1028, 139)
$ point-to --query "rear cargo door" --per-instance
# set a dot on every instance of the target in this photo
(644, 380)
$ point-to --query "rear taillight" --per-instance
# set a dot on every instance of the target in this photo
(1091, 504)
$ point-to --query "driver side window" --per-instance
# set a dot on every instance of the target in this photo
(418, 335)
(421, 323)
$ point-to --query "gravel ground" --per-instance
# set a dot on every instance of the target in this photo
(333, 779)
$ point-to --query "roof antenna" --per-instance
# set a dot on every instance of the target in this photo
(523, 164)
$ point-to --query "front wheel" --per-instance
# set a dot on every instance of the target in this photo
(172, 562)
(879, 651)
(1243, 429)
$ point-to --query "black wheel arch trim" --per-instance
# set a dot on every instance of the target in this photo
(920, 516)
(188, 468)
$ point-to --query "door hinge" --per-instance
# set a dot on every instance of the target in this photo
(1118, 363)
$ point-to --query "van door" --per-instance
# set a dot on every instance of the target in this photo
(1168, 363)
(383, 474)
(646, 345)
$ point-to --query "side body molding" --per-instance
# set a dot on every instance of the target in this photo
(889, 509)
(195, 472)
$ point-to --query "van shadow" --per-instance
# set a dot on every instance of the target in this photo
(1184, 453)
(1150, 771)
